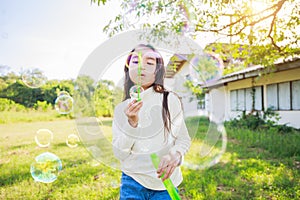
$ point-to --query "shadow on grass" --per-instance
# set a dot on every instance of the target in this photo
(243, 173)
(12, 176)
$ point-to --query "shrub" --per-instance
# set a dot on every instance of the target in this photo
(7, 105)
(264, 120)
(42, 105)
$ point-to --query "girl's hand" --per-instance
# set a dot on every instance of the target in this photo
(132, 111)
(167, 164)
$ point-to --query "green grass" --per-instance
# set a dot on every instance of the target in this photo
(254, 166)
(9, 117)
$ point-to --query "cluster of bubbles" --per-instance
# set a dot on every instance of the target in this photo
(44, 137)
(47, 166)
(203, 68)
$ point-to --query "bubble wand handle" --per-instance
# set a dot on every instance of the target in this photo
(139, 76)
(167, 183)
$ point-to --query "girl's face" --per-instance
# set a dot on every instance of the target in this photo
(142, 66)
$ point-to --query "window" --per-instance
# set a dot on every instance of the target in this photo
(272, 100)
(258, 97)
(296, 95)
(233, 99)
(284, 96)
(242, 99)
(248, 97)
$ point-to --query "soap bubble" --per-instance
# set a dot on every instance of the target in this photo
(64, 103)
(135, 92)
(211, 149)
(43, 137)
(33, 78)
(133, 59)
(206, 68)
(46, 167)
(72, 140)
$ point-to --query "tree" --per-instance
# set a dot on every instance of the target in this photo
(265, 30)
(103, 98)
(83, 96)
(52, 88)
(22, 94)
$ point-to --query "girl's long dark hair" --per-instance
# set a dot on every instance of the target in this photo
(158, 85)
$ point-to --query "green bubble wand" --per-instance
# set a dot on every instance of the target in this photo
(139, 75)
(167, 183)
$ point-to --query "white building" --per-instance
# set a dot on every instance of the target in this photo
(177, 73)
(253, 89)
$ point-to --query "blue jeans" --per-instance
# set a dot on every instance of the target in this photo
(132, 190)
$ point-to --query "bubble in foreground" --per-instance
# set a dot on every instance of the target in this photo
(72, 140)
(135, 91)
(64, 103)
(43, 137)
(206, 68)
(46, 167)
(33, 78)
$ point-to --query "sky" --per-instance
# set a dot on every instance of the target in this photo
(55, 36)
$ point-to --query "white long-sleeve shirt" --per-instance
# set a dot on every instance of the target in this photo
(133, 146)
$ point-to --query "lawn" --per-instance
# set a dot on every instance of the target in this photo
(255, 165)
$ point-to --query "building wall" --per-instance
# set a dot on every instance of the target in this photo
(188, 100)
(289, 117)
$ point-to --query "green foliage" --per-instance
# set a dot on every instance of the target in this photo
(42, 106)
(268, 29)
(83, 96)
(22, 94)
(196, 90)
(99, 2)
(53, 87)
(103, 98)
(9, 105)
(90, 100)
(264, 120)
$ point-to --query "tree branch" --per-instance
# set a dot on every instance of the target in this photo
(248, 16)
(280, 4)
(274, 14)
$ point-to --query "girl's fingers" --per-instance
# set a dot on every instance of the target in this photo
(132, 109)
(166, 167)
(132, 106)
(137, 107)
(169, 171)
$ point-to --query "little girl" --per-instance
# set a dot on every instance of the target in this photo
(154, 124)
